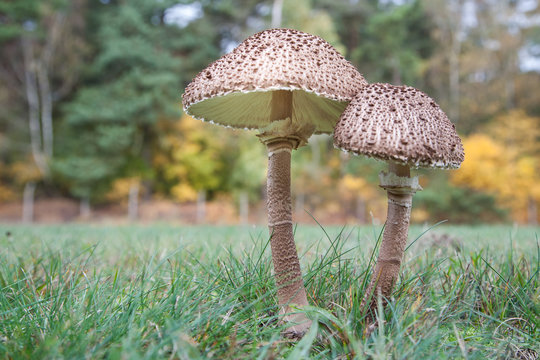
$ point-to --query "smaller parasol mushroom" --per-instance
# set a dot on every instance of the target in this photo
(406, 128)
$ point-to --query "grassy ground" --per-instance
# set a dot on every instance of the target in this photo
(160, 291)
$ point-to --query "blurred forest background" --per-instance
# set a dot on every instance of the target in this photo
(91, 123)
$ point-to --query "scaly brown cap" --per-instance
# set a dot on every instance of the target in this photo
(235, 90)
(400, 124)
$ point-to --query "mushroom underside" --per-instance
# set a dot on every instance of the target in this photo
(251, 110)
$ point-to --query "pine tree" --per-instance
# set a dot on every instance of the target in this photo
(134, 81)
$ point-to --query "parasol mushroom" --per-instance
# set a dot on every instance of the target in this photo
(288, 85)
(406, 128)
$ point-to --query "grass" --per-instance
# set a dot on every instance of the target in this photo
(130, 292)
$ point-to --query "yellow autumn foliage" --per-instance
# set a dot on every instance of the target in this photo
(355, 191)
(352, 185)
(183, 192)
(419, 215)
(6, 194)
(517, 132)
(505, 161)
(25, 171)
(18, 174)
(485, 166)
(120, 189)
(187, 157)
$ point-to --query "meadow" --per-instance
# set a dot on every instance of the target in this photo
(200, 292)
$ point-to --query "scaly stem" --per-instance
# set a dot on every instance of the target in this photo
(394, 239)
(290, 286)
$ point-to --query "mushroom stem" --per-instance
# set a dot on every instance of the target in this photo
(280, 142)
(290, 286)
(400, 188)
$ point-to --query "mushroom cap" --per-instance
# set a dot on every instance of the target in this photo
(236, 89)
(399, 124)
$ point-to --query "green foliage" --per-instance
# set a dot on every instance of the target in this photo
(395, 42)
(92, 155)
(300, 14)
(135, 70)
(134, 81)
(246, 165)
(443, 201)
(40, 54)
(365, 167)
(187, 158)
(85, 174)
(118, 68)
(15, 15)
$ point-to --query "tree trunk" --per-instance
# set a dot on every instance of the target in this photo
(84, 208)
(46, 110)
(45, 93)
(39, 94)
(343, 160)
(28, 202)
(396, 71)
(315, 154)
(360, 210)
(454, 110)
(133, 202)
(32, 98)
(201, 206)
(454, 61)
(244, 208)
(532, 211)
(277, 11)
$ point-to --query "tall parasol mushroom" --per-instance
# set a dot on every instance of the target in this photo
(288, 85)
(406, 128)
